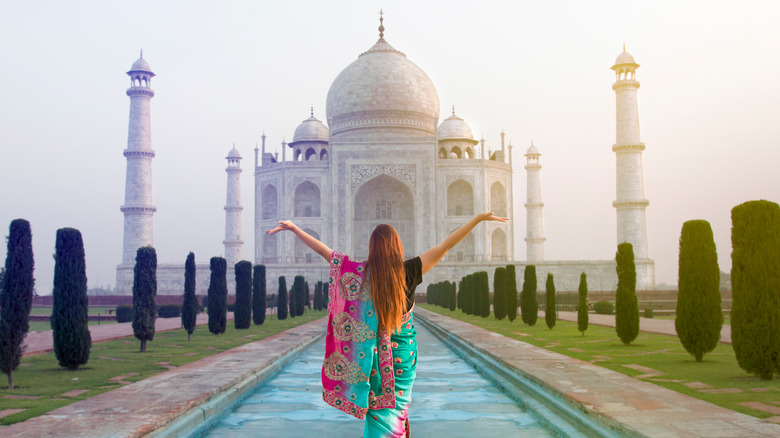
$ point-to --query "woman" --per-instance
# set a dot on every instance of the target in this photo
(370, 348)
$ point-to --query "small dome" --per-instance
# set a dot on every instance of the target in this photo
(625, 58)
(455, 128)
(311, 129)
(141, 65)
(234, 153)
(532, 150)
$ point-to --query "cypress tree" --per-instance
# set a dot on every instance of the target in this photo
(699, 315)
(308, 294)
(484, 294)
(300, 294)
(144, 291)
(529, 305)
(317, 296)
(258, 295)
(499, 293)
(281, 299)
(16, 296)
(476, 305)
(69, 320)
(626, 305)
(582, 305)
(755, 281)
(453, 294)
(242, 315)
(189, 307)
(293, 310)
(549, 311)
(325, 295)
(217, 294)
(459, 297)
(511, 292)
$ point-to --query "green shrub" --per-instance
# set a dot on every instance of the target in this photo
(69, 318)
(259, 301)
(699, 317)
(144, 291)
(511, 292)
(755, 280)
(242, 316)
(549, 309)
(529, 304)
(582, 304)
(16, 293)
(218, 295)
(124, 313)
(499, 293)
(648, 313)
(626, 304)
(190, 307)
(169, 311)
(281, 299)
(603, 308)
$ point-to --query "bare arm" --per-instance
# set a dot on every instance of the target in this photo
(318, 247)
(431, 257)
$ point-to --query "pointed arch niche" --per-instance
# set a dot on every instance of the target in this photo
(498, 245)
(270, 202)
(460, 199)
(383, 200)
(498, 199)
(307, 200)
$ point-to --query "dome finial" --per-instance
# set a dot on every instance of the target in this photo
(142, 53)
(312, 110)
(453, 109)
(381, 26)
(624, 46)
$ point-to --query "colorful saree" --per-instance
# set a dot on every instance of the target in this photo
(366, 373)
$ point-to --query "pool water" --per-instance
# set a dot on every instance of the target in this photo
(449, 399)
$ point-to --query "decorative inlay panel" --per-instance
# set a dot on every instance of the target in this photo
(404, 172)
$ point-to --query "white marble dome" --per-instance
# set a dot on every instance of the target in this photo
(234, 153)
(382, 88)
(455, 128)
(141, 65)
(624, 58)
(311, 129)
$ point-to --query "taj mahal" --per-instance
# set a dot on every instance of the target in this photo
(384, 153)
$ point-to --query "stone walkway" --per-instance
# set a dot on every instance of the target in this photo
(660, 326)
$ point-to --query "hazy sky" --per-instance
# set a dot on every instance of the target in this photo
(229, 70)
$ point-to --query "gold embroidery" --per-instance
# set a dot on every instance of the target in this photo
(338, 368)
(346, 328)
(352, 287)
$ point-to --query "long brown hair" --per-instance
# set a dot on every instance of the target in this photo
(388, 284)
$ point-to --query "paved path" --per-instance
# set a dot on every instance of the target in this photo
(660, 326)
(42, 342)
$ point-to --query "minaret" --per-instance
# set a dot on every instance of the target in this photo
(630, 202)
(233, 209)
(534, 240)
(138, 208)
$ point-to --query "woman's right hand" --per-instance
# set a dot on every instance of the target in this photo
(489, 216)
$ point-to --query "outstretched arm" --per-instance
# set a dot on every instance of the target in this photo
(318, 247)
(431, 257)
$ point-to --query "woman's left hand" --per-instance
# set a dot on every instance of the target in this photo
(283, 225)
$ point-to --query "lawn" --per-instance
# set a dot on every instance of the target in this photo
(718, 379)
(40, 384)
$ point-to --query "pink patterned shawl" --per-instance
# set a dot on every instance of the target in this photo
(357, 374)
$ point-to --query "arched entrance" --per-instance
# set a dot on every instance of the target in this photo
(383, 200)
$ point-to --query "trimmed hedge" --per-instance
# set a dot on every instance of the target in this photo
(603, 308)
(124, 313)
(169, 311)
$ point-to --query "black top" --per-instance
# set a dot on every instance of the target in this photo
(413, 268)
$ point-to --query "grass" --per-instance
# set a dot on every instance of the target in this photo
(601, 346)
(41, 377)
